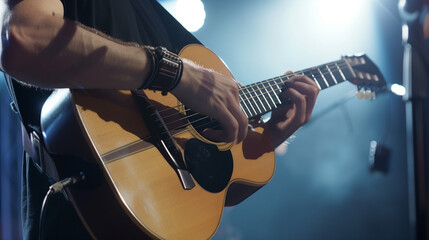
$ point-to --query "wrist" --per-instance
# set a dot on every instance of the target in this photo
(166, 70)
(189, 82)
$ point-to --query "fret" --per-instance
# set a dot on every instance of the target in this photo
(324, 78)
(350, 74)
(331, 74)
(258, 95)
(338, 73)
(310, 74)
(273, 93)
(264, 92)
(277, 92)
(277, 85)
(248, 102)
(262, 97)
(280, 82)
(244, 109)
(315, 74)
(253, 101)
(327, 75)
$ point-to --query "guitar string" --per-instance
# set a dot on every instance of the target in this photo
(205, 117)
(336, 68)
(252, 90)
(325, 73)
(252, 98)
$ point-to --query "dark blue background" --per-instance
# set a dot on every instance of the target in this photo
(322, 188)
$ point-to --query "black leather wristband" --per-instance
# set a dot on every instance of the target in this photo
(166, 72)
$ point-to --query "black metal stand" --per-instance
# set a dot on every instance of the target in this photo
(415, 77)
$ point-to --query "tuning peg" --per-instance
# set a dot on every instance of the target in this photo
(359, 94)
(367, 94)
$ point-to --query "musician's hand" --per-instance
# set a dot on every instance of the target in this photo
(214, 95)
(302, 93)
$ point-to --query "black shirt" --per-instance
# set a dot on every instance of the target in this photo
(143, 21)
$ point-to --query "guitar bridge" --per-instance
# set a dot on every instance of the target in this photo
(163, 140)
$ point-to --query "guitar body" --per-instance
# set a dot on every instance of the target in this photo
(135, 193)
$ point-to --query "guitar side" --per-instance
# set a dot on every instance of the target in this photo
(141, 182)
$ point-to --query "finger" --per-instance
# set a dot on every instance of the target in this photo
(230, 127)
(300, 105)
(303, 78)
(280, 114)
(307, 87)
(242, 121)
(310, 92)
(233, 123)
(214, 135)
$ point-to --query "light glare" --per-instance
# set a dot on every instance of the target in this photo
(398, 89)
(337, 11)
(191, 14)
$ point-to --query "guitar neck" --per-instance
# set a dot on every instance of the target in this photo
(263, 97)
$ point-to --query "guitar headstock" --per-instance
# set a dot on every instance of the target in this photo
(365, 75)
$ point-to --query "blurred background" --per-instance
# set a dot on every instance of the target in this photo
(323, 187)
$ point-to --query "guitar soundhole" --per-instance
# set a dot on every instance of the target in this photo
(211, 168)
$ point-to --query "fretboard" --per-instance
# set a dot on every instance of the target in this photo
(262, 97)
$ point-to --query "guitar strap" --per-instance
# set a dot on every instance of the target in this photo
(31, 141)
(13, 105)
(33, 145)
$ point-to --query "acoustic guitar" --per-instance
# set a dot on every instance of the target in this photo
(149, 173)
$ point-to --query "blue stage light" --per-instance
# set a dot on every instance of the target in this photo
(190, 13)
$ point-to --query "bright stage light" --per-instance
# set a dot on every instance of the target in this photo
(190, 13)
(398, 89)
(337, 11)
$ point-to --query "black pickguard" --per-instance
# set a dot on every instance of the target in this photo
(209, 166)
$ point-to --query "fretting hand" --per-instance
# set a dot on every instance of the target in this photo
(302, 92)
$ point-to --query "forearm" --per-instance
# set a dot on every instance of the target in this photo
(49, 51)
